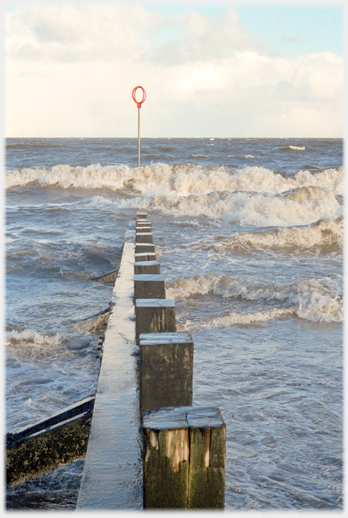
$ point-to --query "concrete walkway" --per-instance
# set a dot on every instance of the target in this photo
(112, 477)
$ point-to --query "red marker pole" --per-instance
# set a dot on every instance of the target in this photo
(138, 103)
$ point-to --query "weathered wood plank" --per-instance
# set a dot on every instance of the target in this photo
(154, 316)
(146, 267)
(166, 370)
(149, 286)
(184, 458)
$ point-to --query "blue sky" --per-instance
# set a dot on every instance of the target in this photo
(286, 29)
(296, 30)
(210, 69)
(289, 29)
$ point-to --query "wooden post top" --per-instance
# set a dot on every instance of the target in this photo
(140, 245)
(165, 338)
(145, 263)
(155, 303)
(150, 277)
(140, 255)
(174, 418)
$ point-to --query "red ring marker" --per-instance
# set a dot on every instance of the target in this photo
(138, 103)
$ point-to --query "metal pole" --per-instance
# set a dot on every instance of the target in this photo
(138, 137)
(138, 103)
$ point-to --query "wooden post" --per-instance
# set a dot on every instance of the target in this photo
(184, 458)
(141, 214)
(143, 237)
(140, 248)
(146, 229)
(142, 223)
(142, 267)
(166, 370)
(142, 230)
(149, 286)
(145, 256)
(154, 316)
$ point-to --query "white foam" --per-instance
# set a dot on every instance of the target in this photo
(258, 210)
(318, 300)
(234, 318)
(32, 337)
(326, 233)
(331, 179)
(250, 196)
(297, 148)
(320, 308)
(181, 180)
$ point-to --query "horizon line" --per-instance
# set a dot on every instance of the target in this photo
(168, 138)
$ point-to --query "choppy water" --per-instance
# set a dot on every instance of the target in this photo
(250, 239)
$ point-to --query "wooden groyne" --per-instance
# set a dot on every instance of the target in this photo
(148, 445)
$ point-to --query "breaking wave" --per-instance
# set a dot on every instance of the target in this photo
(317, 300)
(33, 337)
(250, 196)
(179, 180)
(251, 318)
(245, 208)
(297, 148)
(325, 234)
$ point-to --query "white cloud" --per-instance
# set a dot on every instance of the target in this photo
(104, 33)
(202, 78)
(72, 34)
(70, 72)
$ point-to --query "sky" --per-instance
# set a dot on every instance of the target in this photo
(210, 69)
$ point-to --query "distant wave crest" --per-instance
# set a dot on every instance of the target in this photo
(297, 148)
(182, 180)
(249, 196)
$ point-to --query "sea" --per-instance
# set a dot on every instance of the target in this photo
(249, 235)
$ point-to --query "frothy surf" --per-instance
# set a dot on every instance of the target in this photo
(317, 300)
(297, 148)
(252, 196)
(326, 234)
(181, 180)
(32, 337)
(258, 210)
